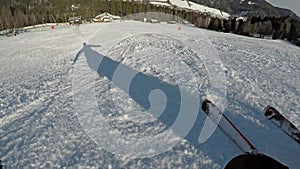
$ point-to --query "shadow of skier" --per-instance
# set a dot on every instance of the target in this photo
(140, 88)
(143, 89)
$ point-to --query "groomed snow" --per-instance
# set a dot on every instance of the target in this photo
(160, 3)
(39, 127)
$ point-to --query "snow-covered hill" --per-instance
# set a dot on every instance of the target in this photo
(40, 126)
(192, 6)
(250, 8)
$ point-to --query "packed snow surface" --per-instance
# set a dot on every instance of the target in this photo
(39, 127)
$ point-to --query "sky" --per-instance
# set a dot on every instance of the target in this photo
(293, 5)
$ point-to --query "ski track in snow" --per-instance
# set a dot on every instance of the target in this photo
(39, 129)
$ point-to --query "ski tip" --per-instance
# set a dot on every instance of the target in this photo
(205, 106)
(269, 110)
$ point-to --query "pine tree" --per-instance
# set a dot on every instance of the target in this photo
(7, 16)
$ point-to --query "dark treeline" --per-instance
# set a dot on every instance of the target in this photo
(271, 27)
(20, 13)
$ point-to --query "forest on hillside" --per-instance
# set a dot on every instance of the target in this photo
(19, 13)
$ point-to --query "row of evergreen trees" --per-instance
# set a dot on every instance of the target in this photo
(20, 13)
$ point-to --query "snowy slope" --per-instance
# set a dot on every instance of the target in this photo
(38, 122)
(193, 6)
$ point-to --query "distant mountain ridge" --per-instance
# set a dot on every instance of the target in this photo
(248, 8)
